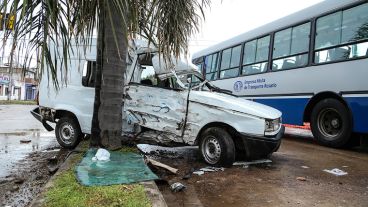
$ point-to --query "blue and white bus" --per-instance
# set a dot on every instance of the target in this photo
(311, 65)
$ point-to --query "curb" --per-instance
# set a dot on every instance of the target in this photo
(154, 194)
(40, 199)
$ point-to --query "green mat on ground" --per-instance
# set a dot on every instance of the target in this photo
(122, 168)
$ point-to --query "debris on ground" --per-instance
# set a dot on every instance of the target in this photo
(254, 162)
(212, 169)
(187, 176)
(305, 167)
(176, 187)
(25, 141)
(159, 164)
(19, 181)
(208, 169)
(199, 172)
(301, 179)
(336, 172)
(52, 164)
(51, 150)
(101, 155)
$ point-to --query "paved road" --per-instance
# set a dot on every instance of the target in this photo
(276, 184)
(17, 124)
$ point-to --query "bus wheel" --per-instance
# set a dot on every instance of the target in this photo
(331, 123)
(217, 147)
(68, 133)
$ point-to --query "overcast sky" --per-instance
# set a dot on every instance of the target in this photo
(228, 18)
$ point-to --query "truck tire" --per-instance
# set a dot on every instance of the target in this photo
(68, 133)
(217, 147)
(331, 123)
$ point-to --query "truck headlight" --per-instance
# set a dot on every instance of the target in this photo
(272, 125)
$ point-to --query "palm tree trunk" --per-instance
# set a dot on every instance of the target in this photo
(95, 129)
(110, 103)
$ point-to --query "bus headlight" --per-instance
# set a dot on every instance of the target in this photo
(272, 125)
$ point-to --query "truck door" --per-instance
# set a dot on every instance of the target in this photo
(154, 104)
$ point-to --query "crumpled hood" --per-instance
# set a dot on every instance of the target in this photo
(239, 104)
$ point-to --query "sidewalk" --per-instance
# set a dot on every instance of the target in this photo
(64, 183)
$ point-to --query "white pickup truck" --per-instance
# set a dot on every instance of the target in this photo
(168, 105)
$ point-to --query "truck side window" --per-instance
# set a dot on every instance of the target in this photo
(148, 76)
(89, 71)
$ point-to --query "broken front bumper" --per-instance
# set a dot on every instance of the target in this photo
(257, 147)
(36, 114)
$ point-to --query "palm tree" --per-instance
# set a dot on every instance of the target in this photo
(166, 24)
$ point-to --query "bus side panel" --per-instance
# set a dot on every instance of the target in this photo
(359, 109)
(292, 108)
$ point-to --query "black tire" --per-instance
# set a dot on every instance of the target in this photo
(68, 133)
(217, 147)
(331, 123)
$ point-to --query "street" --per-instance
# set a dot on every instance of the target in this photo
(294, 178)
(23, 166)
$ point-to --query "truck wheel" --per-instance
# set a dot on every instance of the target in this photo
(331, 123)
(217, 147)
(67, 132)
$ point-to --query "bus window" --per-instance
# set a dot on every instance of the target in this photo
(210, 65)
(342, 35)
(256, 56)
(328, 31)
(230, 60)
(291, 47)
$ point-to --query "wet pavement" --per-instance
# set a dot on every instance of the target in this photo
(16, 126)
(296, 177)
(25, 151)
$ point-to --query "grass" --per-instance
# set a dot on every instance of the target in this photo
(5, 102)
(66, 191)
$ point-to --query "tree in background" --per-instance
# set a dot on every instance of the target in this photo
(164, 23)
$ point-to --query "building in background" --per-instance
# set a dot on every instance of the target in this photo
(24, 85)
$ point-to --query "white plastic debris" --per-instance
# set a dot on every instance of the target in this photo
(305, 167)
(255, 162)
(101, 155)
(336, 172)
(199, 172)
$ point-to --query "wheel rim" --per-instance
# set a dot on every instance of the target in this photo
(330, 123)
(211, 150)
(67, 133)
